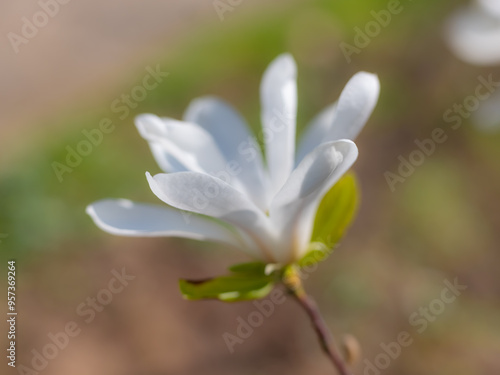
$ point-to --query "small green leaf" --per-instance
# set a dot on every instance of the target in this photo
(316, 253)
(238, 287)
(253, 268)
(334, 215)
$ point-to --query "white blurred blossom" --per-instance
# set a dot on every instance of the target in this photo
(473, 34)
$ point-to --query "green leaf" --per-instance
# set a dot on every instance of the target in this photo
(238, 287)
(253, 268)
(335, 214)
(316, 253)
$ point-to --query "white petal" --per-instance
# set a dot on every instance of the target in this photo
(294, 207)
(166, 161)
(491, 6)
(235, 141)
(188, 144)
(126, 218)
(346, 118)
(316, 132)
(207, 195)
(279, 111)
(474, 37)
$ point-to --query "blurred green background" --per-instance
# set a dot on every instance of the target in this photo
(440, 224)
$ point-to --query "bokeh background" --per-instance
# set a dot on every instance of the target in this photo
(440, 224)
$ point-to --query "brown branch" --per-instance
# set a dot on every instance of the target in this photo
(294, 286)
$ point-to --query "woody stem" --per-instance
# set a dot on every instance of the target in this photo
(294, 286)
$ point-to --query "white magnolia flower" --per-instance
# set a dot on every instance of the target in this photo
(216, 170)
(473, 33)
